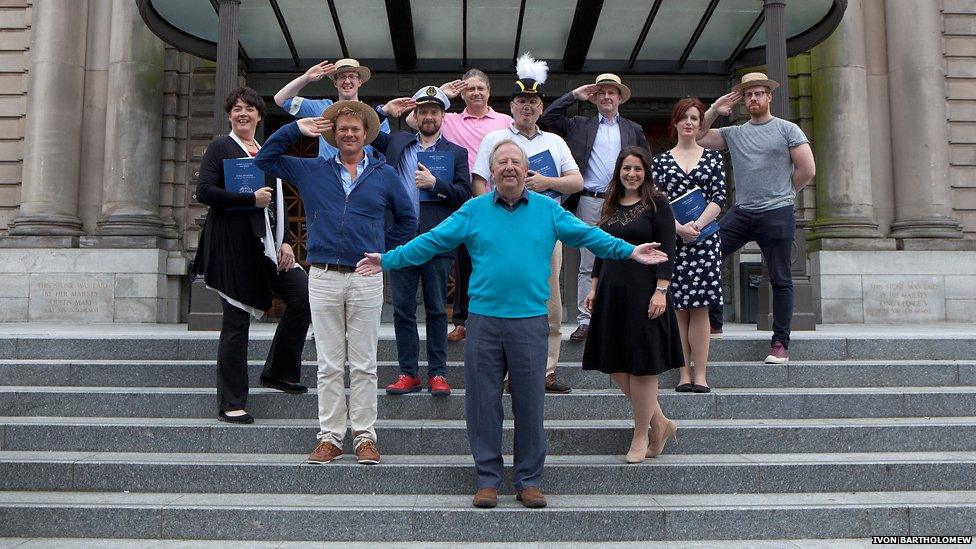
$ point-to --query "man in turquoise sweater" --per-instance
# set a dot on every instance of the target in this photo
(510, 233)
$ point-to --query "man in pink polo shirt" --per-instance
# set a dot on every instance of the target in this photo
(467, 128)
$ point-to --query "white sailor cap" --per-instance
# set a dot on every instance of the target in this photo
(432, 94)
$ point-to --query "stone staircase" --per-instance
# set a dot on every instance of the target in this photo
(859, 436)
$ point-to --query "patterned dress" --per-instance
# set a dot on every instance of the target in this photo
(697, 279)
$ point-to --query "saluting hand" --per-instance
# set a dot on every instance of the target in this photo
(314, 127)
(648, 254)
(422, 178)
(319, 71)
(584, 93)
(723, 105)
(454, 88)
(396, 107)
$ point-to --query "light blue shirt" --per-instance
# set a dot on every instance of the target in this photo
(347, 182)
(408, 165)
(603, 156)
(300, 107)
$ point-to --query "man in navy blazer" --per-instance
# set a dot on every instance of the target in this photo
(437, 190)
(595, 143)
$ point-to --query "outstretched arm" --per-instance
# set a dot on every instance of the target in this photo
(446, 236)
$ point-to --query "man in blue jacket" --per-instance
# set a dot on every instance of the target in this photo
(510, 233)
(437, 191)
(347, 198)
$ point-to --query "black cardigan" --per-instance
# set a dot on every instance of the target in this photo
(230, 255)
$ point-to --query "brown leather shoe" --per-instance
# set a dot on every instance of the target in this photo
(366, 453)
(580, 333)
(457, 334)
(531, 497)
(486, 498)
(325, 452)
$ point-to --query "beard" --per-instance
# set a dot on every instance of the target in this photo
(429, 129)
(758, 109)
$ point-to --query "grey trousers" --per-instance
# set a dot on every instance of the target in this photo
(492, 347)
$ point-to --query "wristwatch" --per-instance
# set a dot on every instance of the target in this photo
(663, 290)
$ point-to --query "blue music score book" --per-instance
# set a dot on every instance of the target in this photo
(242, 176)
(689, 207)
(441, 164)
(543, 164)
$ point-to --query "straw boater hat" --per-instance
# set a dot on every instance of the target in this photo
(614, 80)
(755, 79)
(371, 118)
(346, 65)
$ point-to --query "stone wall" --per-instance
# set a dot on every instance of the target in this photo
(959, 39)
(15, 22)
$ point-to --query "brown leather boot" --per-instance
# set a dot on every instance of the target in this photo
(457, 334)
(532, 497)
(486, 498)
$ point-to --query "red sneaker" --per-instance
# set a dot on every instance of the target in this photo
(438, 386)
(778, 354)
(404, 384)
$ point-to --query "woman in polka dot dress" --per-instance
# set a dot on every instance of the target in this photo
(697, 282)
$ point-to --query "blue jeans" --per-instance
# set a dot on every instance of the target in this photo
(773, 231)
(494, 346)
(403, 287)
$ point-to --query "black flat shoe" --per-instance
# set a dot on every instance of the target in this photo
(701, 389)
(246, 418)
(282, 385)
(684, 388)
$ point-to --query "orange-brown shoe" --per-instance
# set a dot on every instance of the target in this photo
(457, 334)
(532, 498)
(366, 453)
(486, 498)
(325, 452)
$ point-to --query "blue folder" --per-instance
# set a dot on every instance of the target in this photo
(543, 164)
(689, 207)
(441, 164)
(242, 176)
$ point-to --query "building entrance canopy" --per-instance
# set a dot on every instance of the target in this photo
(622, 36)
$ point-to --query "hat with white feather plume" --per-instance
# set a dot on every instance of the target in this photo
(532, 75)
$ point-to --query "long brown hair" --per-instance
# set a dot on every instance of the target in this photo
(616, 190)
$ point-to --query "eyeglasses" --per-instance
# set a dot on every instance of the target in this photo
(750, 95)
(352, 77)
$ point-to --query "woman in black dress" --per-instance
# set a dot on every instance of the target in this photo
(697, 281)
(633, 331)
(245, 255)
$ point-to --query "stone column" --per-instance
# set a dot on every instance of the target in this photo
(133, 134)
(878, 113)
(55, 105)
(841, 134)
(919, 132)
(95, 114)
(228, 40)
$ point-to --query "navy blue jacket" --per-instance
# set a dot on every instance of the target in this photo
(452, 193)
(341, 228)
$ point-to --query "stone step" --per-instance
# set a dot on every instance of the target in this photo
(752, 348)
(439, 437)
(568, 517)
(454, 474)
(584, 404)
(202, 373)
(106, 543)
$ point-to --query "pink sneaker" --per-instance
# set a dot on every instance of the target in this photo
(778, 354)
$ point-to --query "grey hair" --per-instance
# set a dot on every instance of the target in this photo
(477, 73)
(500, 144)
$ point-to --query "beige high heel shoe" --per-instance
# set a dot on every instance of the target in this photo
(657, 446)
(635, 456)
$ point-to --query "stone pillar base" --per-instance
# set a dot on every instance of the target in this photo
(843, 228)
(940, 244)
(131, 225)
(128, 242)
(851, 244)
(39, 242)
(927, 227)
(46, 225)
(90, 285)
(206, 312)
(894, 287)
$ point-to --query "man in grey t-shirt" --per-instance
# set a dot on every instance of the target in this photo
(771, 162)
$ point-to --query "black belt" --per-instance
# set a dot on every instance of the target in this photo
(594, 194)
(334, 267)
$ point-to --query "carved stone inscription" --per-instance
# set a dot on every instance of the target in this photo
(71, 297)
(903, 299)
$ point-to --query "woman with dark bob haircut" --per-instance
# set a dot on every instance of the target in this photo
(245, 255)
(633, 331)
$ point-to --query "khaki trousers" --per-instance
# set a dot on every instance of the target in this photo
(346, 311)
